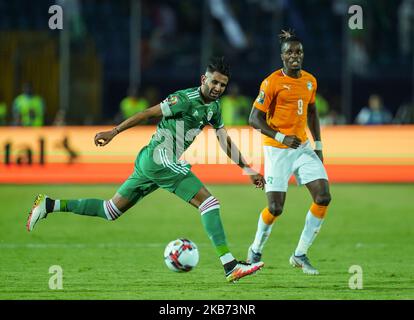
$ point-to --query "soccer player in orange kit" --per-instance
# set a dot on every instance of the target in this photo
(285, 104)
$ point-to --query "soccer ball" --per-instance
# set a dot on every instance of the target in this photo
(181, 255)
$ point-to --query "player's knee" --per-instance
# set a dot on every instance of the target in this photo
(275, 209)
(323, 199)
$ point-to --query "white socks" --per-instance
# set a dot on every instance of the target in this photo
(262, 234)
(309, 233)
(56, 206)
(226, 258)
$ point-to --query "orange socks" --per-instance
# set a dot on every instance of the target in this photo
(318, 211)
(267, 217)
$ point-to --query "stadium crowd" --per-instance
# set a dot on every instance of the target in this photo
(173, 39)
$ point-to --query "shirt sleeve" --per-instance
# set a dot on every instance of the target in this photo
(174, 104)
(216, 120)
(265, 96)
(313, 96)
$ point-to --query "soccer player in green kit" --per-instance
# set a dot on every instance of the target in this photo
(184, 114)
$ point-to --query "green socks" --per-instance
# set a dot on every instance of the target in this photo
(210, 218)
(212, 224)
(88, 207)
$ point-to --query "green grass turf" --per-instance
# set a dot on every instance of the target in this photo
(367, 225)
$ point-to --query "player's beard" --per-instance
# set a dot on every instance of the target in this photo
(207, 93)
(213, 96)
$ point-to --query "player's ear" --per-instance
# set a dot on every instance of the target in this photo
(203, 79)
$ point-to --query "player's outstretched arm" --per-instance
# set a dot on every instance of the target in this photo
(230, 148)
(103, 138)
(257, 120)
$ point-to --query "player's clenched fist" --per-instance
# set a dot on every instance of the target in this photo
(292, 141)
(256, 178)
(103, 138)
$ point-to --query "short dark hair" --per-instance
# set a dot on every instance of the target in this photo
(220, 65)
(288, 36)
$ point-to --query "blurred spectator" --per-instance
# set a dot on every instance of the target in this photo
(164, 31)
(406, 20)
(28, 108)
(405, 114)
(3, 112)
(322, 106)
(374, 113)
(152, 95)
(235, 108)
(60, 118)
(358, 55)
(131, 104)
(327, 116)
(333, 118)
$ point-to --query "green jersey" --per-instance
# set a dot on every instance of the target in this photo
(185, 114)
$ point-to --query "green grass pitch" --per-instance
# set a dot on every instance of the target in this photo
(371, 226)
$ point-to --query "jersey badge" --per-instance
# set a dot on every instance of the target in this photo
(310, 86)
(195, 114)
(172, 100)
(209, 115)
(261, 97)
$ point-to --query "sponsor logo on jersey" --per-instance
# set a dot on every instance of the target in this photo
(261, 97)
(195, 113)
(310, 86)
(286, 86)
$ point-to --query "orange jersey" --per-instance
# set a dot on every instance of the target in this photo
(285, 101)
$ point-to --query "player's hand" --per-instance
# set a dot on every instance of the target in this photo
(292, 142)
(320, 154)
(103, 138)
(256, 178)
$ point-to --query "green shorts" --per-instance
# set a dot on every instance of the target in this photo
(151, 173)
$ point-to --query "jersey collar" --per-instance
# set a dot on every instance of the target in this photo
(285, 75)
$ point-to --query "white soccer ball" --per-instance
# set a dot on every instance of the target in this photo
(181, 255)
